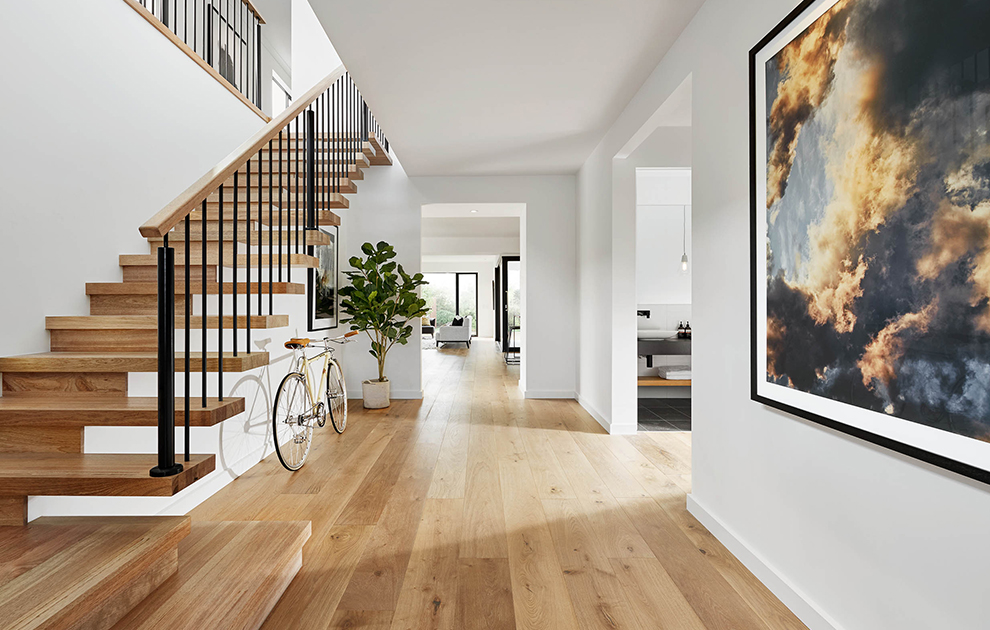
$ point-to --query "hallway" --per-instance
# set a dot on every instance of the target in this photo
(474, 508)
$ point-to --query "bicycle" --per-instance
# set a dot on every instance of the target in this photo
(296, 401)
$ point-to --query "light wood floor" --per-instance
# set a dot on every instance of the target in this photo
(474, 508)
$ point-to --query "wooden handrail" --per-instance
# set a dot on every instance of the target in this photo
(189, 52)
(254, 10)
(170, 216)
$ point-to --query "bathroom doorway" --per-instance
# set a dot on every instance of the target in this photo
(664, 262)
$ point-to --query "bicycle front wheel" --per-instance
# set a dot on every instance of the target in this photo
(292, 421)
(336, 397)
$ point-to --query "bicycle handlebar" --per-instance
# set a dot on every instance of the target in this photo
(343, 338)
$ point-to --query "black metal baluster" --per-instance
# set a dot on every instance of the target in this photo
(247, 267)
(237, 211)
(271, 223)
(351, 154)
(208, 32)
(242, 50)
(310, 169)
(328, 171)
(257, 47)
(187, 334)
(203, 309)
(195, 26)
(167, 465)
(227, 58)
(219, 303)
(321, 162)
(335, 137)
(261, 244)
(281, 155)
(295, 182)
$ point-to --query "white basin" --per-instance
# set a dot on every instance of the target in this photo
(649, 333)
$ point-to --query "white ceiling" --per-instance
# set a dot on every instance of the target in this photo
(467, 227)
(508, 87)
(472, 210)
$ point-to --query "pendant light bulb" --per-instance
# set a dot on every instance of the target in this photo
(684, 263)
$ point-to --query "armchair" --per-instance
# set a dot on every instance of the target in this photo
(455, 334)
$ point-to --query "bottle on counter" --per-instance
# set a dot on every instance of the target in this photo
(687, 331)
(681, 330)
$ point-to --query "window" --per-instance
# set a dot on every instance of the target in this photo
(452, 294)
(280, 95)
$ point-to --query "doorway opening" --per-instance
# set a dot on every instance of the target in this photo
(664, 262)
(463, 249)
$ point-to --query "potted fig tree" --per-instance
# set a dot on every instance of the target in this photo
(381, 300)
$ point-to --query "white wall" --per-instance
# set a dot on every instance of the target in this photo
(663, 234)
(847, 534)
(386, 208)
(549, 253)
(313, 56)
(607, 266)
(660, 232)
(97, 143)
(486, 275)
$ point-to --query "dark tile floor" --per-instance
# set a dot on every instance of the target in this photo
(664, 414)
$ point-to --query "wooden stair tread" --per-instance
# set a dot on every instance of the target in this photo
(196, 259)
(68, 410)
(94, 474)
(323, 216)
(230, 576)
(78, 572)
(213, 288)
(126, 362)
(150, 322)
(177, 237)
(311, 237)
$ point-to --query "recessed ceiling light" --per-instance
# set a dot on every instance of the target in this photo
(474, 212)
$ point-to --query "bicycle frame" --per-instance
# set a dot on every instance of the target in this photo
(303, 366)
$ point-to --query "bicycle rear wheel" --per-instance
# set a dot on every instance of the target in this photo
(336, 396)
(292, 421)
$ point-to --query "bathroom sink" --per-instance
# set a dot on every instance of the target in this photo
(656, 334)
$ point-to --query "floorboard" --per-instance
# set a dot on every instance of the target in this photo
(477, 509)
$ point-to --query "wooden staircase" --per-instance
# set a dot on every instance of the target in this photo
(151, 572)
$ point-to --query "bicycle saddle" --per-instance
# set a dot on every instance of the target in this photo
(293, 344)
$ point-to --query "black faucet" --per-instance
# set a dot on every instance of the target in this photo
(645, 314)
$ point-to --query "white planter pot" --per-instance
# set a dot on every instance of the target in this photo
(376, 394)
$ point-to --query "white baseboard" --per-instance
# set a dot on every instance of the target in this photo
(611, 427)
(792, 597)
(594, 413)
(177, 505)
(549, 394)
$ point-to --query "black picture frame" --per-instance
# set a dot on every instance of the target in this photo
(314, 322)
(757, 275)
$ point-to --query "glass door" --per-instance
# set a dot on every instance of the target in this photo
(511, 303)
(452, 294)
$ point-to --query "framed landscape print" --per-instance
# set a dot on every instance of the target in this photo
(870, 193)
(322, 293)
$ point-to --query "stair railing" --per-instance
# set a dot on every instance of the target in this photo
(224, 34)
(312, 147)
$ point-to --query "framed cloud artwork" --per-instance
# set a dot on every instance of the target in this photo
(870, 193)
(322, 293)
